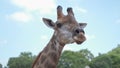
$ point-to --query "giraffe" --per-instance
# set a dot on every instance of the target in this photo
(66, 31)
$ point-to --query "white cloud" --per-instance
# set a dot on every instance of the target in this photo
(3, 42)
(20, 16)
(31, 7)
(90, 37)
(82, 10)
(43, 6)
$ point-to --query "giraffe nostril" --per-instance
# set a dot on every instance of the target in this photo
(79, 30)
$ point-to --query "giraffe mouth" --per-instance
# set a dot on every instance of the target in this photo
(79, 42)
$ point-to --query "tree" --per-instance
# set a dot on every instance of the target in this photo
(115, 56)
(0, 65)
(102, 61)
(5, 67)
(86, 54)
(24, 60)
(70, 59)
(115, 60)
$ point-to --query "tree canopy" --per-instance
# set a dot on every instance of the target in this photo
(24, 60)
(0, 65)
(108, 60)
(71, 59)
(115, 56)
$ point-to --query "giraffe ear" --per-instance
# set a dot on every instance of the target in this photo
(83, 25)
(49, 22)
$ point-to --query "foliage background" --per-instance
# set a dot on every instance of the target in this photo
(71, 59)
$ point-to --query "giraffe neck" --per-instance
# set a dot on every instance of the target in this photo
(50, 55)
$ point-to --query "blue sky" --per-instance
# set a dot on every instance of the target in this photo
(21, 27)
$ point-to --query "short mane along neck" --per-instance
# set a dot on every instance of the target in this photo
(50, 55)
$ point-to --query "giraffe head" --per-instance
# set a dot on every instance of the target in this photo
(66, 28)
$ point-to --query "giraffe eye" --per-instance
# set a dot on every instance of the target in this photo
(59, 25)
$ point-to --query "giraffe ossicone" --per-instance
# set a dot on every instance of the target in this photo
(66, 31)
